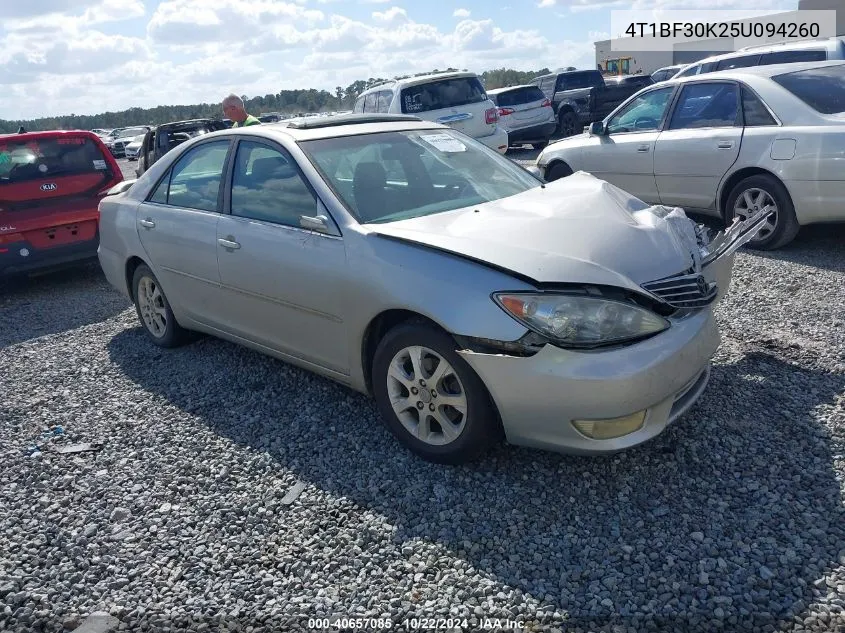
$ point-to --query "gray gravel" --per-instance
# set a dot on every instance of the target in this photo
(731, 521)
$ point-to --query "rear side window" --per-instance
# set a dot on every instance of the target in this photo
(789, 57)
(823, 89)
(446, 93)
(575, 81)
(706, 105)
(743, 61)
(520, 96)
(36, 159)
(755, 113)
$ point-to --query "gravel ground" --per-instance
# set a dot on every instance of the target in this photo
(731, 521)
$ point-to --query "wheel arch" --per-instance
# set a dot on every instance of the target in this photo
(131, 266)
(734, 179)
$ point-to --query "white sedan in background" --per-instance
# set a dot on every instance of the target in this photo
(726, 144)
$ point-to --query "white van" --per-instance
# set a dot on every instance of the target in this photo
(767, 54)
(456, 99)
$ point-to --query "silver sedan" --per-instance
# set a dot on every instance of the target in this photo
(726, 144)
(410, 262)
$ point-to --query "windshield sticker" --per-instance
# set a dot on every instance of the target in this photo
(444, 143)
(5, 157)
(99, 164)
(42, 168)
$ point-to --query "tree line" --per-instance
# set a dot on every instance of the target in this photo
(287, 102)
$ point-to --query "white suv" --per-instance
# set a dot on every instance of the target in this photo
(456, 99)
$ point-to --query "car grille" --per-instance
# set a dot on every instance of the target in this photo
(685, 290)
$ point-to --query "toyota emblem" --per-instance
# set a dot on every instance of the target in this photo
(49, 186)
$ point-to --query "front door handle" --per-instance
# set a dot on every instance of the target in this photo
(643, 148)
(231, 244)
(147, 224)
(725, 144)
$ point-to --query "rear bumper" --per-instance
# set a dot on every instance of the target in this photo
(535, 133)
(498, 140)
(21, 258)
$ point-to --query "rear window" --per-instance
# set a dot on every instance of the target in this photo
(520, 96)
(823, 89)
(446, 93)
(34, 159)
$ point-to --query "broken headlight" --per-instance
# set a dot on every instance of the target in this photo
(581, 321)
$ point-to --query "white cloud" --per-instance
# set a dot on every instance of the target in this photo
(392, 15)
(461, 13)
(58, 60)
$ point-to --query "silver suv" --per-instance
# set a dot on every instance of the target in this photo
(456, 99)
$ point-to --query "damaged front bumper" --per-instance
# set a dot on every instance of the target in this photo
(569, 401)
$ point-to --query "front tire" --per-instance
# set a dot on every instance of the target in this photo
(759, 191)
(154, 310)
(558, 170)
(430, 398)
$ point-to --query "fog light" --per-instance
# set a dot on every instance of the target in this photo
(612, 428)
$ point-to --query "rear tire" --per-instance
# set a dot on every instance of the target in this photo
(558, 170)
(430, 398)
(154, 310)
(759, 191)
(567, 123)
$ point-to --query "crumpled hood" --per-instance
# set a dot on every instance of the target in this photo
(578, 229)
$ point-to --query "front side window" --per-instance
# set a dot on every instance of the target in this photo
(391, 176)
(267, 185)
(706, 105)
(194, 181)
(643, 114)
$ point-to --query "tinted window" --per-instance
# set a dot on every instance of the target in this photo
(520, 96)
(446, 93)
(22, 160)
(574, 81)
(753, 110)
(789, 57)
(195, 181)
(267, 185)
(823, 89)
(692, 70)
(384, 99)
(642, 114)
(371, 102)
(743, 61)
(390, 176)
(706, 105)
(359, 105)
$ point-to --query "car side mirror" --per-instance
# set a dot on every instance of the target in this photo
(319, 223)
(596, 128)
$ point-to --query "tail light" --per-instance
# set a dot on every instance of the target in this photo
(506, 111)
(546, 104)
(491, 115)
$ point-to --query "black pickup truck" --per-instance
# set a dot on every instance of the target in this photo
(580, 97)
(163, 138)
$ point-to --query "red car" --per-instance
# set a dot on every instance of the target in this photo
(51, 184)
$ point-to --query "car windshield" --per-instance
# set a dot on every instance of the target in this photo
(823, 89)
(393, 176)
(41, 158)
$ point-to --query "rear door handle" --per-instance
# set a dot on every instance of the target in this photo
(147, 224)
(228, 243)
(725, 144)
(643, 148)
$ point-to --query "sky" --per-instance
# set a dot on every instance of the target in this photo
(91, 56)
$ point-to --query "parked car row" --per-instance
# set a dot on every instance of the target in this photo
(726, 144)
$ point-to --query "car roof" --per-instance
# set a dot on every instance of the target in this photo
(29, 136)
(771, 70)
(826, 43)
